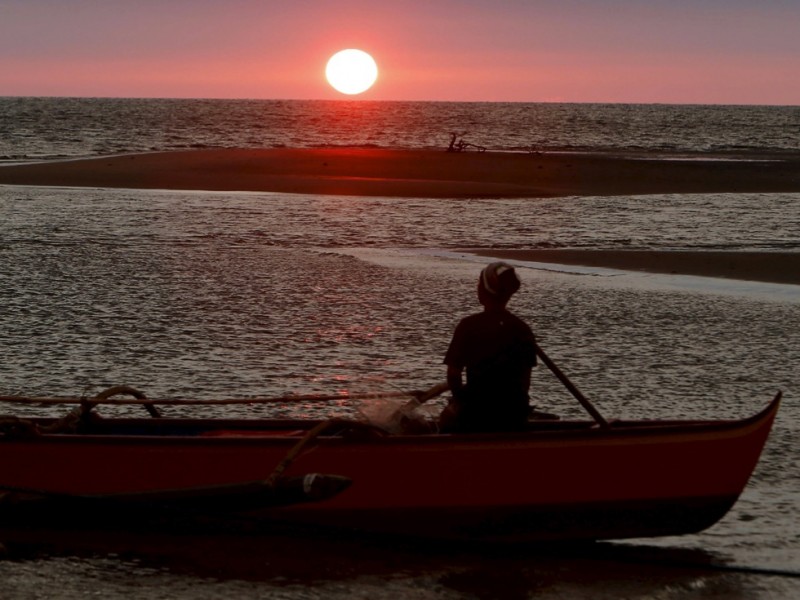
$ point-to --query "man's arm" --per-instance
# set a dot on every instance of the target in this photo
(455, 381)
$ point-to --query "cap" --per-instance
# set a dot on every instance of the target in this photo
(499, 279)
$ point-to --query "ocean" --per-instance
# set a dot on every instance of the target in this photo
(46, 128)
(209, 294)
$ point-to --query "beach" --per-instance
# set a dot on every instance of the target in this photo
(439, 174)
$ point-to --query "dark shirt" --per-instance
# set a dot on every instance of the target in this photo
(498, 350)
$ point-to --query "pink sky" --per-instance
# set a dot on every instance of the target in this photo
(682, 51)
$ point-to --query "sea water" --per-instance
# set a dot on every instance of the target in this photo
(207, 295)
(33, 128)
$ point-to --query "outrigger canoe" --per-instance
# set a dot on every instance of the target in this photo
(557, 480)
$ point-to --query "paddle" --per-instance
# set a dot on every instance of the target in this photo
(571, 387)
(401, 419)
(436, 390)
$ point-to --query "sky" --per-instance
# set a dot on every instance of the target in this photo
(631, 51)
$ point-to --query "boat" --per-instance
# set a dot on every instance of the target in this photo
(560, 480)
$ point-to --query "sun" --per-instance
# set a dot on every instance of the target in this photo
(351, 71)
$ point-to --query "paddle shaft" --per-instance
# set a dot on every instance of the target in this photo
(572, 389)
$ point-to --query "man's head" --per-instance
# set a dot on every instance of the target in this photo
(497, 283)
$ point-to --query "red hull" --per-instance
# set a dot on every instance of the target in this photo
(559, 481)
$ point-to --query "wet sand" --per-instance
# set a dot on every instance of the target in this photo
(412, 173)
(439, 174)
(772, 267)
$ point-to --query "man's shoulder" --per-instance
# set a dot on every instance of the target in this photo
(473, 318)
(486, 320)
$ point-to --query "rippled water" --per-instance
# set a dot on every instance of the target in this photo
(209, 295)
(212, 294)
(33, 128)
(262, 293)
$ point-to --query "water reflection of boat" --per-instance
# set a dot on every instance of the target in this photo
(559, 480)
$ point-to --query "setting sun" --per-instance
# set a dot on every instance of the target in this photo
(351, 71)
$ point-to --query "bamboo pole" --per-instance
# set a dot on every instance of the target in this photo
(222, 401)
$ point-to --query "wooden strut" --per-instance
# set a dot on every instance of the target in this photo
(311, 436)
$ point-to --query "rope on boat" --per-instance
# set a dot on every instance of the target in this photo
(123, 389)
(78, 418)
(75, 420)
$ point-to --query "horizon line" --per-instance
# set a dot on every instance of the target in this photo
(375, 100)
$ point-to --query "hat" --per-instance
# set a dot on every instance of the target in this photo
(499, 279)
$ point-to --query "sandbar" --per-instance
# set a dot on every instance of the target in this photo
(413, 173)
(771, 267)
(440, 174)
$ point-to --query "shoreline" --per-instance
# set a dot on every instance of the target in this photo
(412, 173)
(765, 267)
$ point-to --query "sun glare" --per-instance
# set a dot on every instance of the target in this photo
(351, 71)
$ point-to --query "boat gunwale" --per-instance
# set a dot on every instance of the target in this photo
(540, 432)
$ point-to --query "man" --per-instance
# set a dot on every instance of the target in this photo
(497, 350)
